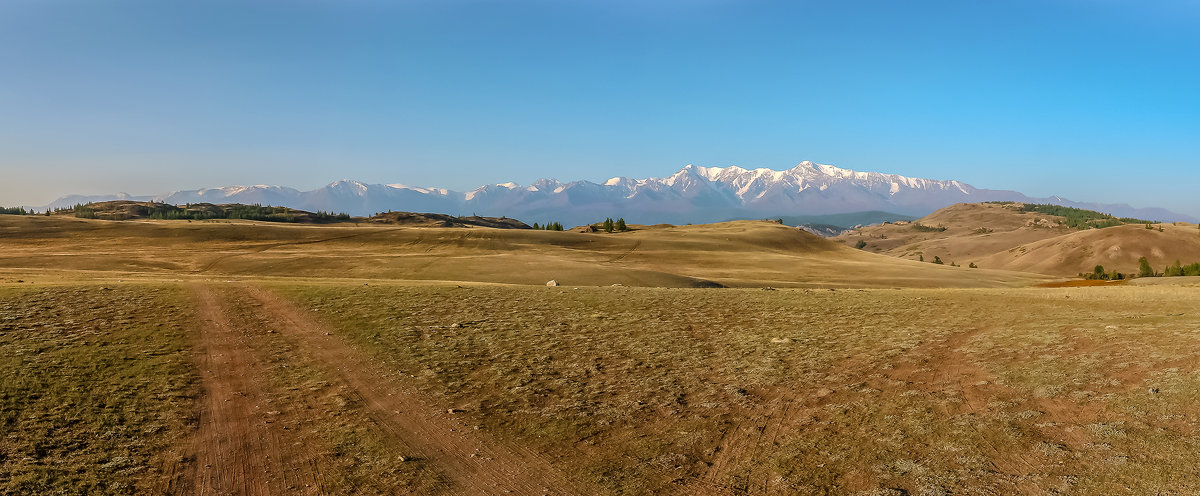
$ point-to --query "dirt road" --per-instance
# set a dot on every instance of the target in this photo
(237, 451)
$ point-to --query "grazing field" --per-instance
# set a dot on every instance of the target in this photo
(98, 389)
(237, 358)
(736, 254)
(645, 391)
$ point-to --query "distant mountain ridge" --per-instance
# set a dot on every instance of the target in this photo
(691, 195)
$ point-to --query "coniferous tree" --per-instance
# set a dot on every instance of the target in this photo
(1144, 268)
(621, 226)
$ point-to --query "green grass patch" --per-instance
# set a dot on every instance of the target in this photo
(97, 388)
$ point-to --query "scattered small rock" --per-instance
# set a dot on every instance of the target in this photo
(1153, 390)
(768, 288)
(552, 283)
(783, 340)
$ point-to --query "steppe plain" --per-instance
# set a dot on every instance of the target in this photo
(234, 357)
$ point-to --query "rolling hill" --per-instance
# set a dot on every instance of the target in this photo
(1007, 236)
(738, 254)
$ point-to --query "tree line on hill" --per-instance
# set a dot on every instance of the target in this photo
(549, 226)
(1077, 218)
(247, 212)
(203, 211)
(609, 225)
(1145, 270)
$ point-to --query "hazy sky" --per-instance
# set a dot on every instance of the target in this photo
(1096, 100)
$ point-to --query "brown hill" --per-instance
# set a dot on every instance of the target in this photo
(1113, 247)
(132, 210)
(442, 220)
(1004, 236)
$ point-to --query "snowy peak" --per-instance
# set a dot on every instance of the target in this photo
(692, 194)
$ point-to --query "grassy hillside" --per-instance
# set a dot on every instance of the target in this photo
(1033, 238)
(745, 253)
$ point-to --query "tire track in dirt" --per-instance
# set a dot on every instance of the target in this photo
(236, 451)
(474, 461)
(637, 244)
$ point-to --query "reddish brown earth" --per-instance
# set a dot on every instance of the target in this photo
(236, 450)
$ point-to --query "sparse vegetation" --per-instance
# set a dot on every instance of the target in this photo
(937, 260)
(97, 387)
(549, 226)
(628, 390)
(1099, 274)
(924, 228)
(1078, 218)
(610, 225)
(860, 244)
(79, 210)
(644, 405)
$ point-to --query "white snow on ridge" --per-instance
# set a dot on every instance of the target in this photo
(691, 194)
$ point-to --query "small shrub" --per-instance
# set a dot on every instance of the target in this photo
(924, 228)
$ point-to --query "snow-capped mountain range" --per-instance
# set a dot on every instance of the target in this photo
(691, 195)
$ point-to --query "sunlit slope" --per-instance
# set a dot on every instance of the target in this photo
(1001, 236)
(1114, 247)
(745, 253)
(972, 231)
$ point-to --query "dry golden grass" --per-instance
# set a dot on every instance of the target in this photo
(733, 254)
(627, 390)
(1002, 237)
(646, 391)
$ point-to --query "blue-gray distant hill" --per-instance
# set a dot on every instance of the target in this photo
(811, 192)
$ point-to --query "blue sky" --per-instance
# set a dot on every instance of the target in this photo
(1095, 100)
